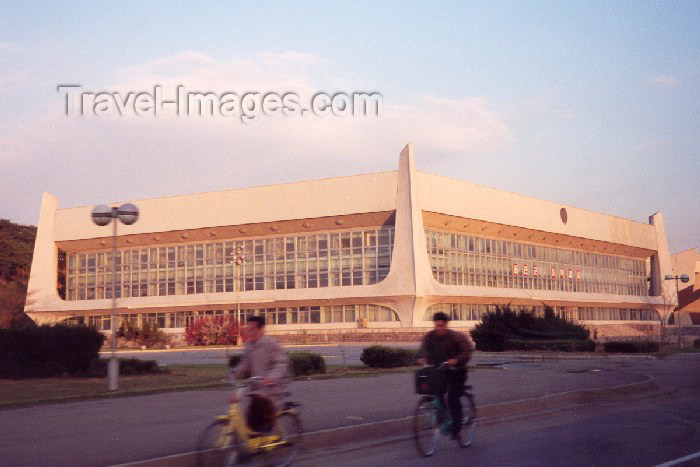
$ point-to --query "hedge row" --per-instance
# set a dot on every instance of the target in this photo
(557, 345)
(306, 363)
(300, 363)
(505, 324)
(234, 360)
(378, 356)
(48, 351)
(631, 347)
(127, 367)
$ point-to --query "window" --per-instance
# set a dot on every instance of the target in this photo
(258, 264)
(464, 260)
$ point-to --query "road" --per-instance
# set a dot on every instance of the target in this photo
(104, 432)
(636, 431)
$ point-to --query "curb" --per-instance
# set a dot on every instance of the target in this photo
(398, 428)
(540, 357)
(232, 348)
(523, 356)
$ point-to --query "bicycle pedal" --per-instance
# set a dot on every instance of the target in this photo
(272, 444)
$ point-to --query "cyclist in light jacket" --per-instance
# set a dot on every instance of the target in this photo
(264, 357)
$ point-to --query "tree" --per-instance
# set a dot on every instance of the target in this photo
(16, 250)
(148, 335)
(506, 329)
(212, 330)
(667, 308)
(13, 297)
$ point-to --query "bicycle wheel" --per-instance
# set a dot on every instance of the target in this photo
(217, 446)
(288, 428)
(426, 428)
(466, 434)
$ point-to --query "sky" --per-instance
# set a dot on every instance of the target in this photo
(589, 104)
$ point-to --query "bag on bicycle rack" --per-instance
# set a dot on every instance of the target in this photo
(430, 380)
(261, 413)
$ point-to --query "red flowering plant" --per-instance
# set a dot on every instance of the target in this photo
(212, 330)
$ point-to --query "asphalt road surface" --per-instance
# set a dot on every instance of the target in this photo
(635, 433)
(644, 431)
(641, 431)
(110, 431)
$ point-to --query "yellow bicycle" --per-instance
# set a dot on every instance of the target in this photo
(228, 440)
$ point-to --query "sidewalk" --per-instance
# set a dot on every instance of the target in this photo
(349, 352)
(105, 432)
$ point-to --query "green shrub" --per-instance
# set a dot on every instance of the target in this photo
(696, 343)
(498, 327)
(631, 347)
(127, 367)
(378, 356)
(48, 351)
(234, 360)
(568, 345)
(306, 363)
(300, 363)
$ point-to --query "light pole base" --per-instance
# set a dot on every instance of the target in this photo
(113, 372)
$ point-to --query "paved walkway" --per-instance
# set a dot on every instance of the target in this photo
(346, 353)
(104, 432)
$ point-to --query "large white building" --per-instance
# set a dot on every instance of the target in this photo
(688, 263)
(381, 250)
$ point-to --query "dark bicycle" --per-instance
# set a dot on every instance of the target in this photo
(432, 417)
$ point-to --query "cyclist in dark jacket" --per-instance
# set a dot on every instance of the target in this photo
(445, 345)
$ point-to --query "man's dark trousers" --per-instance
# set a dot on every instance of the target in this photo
(455, 389)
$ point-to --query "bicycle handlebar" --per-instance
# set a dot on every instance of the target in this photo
(442, 366)
(254, 382)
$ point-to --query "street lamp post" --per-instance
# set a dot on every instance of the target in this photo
(103, 215)
(239, 258)
(683, 278)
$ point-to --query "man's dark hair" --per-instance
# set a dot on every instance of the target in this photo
(440, 316)
(257, 319)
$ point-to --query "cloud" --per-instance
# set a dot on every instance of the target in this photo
(273, 71)
(665, 81)
(9, 80)
(292, 56)
(151, 157)
(464, 125)
(172, 64)
(9, 47)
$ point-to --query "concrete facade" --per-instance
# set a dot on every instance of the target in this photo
(409, 201)
(687, 262)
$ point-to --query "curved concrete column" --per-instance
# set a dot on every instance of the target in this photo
(410, 275)
(41, 290)
(660, 266)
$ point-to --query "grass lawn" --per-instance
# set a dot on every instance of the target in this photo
(26, 392)
(15, 393)
(666, 351)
